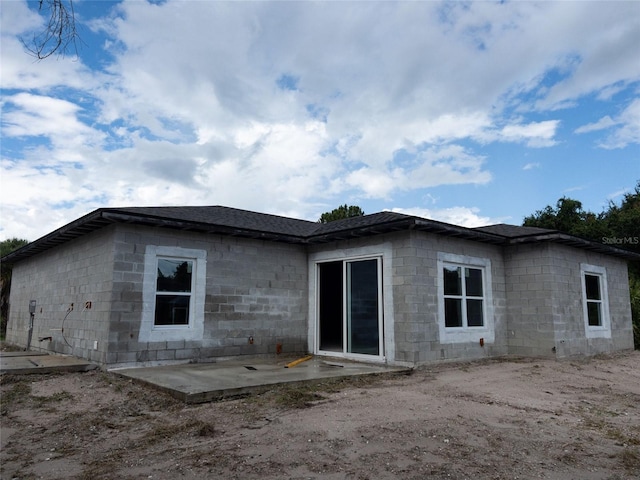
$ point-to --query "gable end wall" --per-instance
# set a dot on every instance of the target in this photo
(76, 272)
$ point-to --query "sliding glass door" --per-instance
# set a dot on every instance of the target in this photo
(350, 307)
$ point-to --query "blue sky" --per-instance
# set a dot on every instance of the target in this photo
(466, 112)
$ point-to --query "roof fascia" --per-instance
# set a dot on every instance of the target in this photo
(192, 226)
(363, 231)
(105, 216)
(577, 242)
(85, 224)
(456, 231)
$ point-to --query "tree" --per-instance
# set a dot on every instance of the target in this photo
(568, 217)
(618, 226)
(340, 213)
(623, 222)
(6, 247)
(623, 225)
(59, 33)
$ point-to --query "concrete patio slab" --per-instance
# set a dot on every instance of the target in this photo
(198, 383)
(26, 362)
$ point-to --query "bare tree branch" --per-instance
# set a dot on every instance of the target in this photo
(58, 35)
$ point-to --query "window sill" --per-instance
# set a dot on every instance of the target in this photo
(467, 335)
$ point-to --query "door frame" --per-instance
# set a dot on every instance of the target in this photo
(382, 252)
(346, 317)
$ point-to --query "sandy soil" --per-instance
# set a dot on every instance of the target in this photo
(499, 419)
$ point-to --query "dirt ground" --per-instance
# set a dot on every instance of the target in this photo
(495, 419)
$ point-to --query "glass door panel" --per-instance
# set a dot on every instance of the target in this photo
(330, 303)
(363, 333)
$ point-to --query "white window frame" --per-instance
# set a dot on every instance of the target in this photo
(596, 331)
(382, 251)
(189, 294)
(149, 331)
(466, 334)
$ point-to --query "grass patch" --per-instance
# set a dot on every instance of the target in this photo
(630, 458)
(8, 347)
(58, 397)
(19, 393)
(113, 459)
(298, 398)
(308, 394)
(105, 466)
(597, 418)
(193, 427)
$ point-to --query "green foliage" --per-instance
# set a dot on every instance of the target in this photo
(618, 226)
(6, 247)
(11, 244)
(634, 289)
(340, 213)
(568, 217)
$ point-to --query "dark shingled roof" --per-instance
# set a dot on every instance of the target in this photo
(512, 231)
(242, 223)
(227, 217)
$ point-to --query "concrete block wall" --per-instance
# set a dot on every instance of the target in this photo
(619, 304)
(531, 287)
(416, 298)
(415, 301)
(568, 314)
(545, 312)
(259, 290)
(414, 292)
(78, 272)
(254, 289)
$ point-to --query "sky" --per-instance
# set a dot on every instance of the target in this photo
(470, 113)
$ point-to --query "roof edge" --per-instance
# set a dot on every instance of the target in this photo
(61, 235)
(101, 217)
(578, 242)
(191, 225)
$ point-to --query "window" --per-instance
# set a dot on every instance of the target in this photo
(593, 297)
(173, 291)
(463, 296)
(465, 299)
(173, 294)
(595, 304)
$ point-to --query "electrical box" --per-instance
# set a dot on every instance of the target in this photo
(32, 307)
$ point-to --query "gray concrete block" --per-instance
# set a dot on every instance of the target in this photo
(164, 355)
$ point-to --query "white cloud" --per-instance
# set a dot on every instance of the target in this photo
(462, 216)
(533, 134)
(575, 188)
(41, 116)
(21, 70)
(618, 193)
(449, 165)
(629, 130)
(604, 122)
(531, 166)
(604, 42)
(185, 107)
(625, 128)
